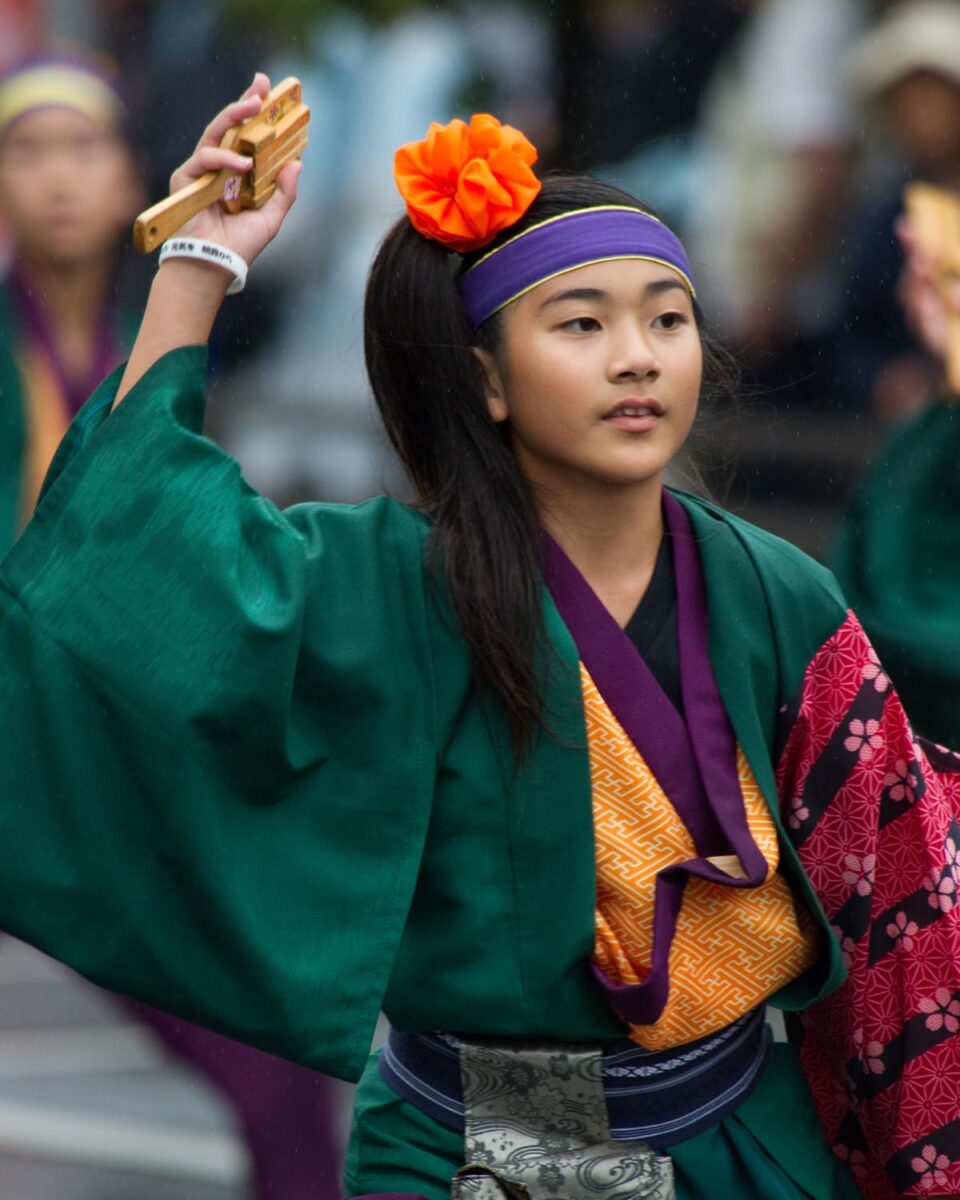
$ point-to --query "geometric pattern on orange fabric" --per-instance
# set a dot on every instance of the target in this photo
(733, 947)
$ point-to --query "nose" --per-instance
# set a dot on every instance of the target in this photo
(57, 173)
(632, 353)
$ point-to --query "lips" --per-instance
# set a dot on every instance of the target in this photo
(635, 408)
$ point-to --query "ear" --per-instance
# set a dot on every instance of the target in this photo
(492, 384)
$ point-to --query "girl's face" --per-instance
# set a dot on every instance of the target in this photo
(598, 376)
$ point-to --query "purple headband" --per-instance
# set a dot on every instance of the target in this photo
(562, 243)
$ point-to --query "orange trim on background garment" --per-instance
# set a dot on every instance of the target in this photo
(733, 947)
(46, 419)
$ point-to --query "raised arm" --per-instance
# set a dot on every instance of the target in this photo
(216, 740)
(186, 295)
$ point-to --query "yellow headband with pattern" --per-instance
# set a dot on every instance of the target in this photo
(60, 85)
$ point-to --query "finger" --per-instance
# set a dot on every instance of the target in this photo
(288, 179)
(285, 193)
(209, 158)
(259, 87)
(903, 228)
(233, 114)
(247, 106)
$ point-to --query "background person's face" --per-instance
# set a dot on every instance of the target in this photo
(67, 186)
(922, 112)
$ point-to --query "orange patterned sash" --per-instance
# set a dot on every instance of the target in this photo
(733, 947)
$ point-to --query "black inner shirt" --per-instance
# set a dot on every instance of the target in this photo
(653, 626)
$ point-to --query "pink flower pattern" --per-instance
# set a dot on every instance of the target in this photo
(873, 670)
(798, 812)
(900, 783)
(856, 1160)
(859, 872)
(865, 739)
(930, 1166)
(953, 859)
(943, 890)
(870, 1053)
(942, 885)
(943, 1010)
(902, 930)
(848, 947)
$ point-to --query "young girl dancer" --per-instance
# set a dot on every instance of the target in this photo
(568, 773)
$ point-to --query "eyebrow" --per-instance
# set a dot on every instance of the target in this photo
(595, 294)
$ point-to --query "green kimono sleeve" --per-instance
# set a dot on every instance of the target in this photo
(216, 753)
(898, 560)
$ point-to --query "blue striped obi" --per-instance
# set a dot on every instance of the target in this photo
(660, 1097)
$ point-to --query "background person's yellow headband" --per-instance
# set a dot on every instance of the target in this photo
(49, 83)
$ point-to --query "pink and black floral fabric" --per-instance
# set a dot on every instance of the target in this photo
(873, 813)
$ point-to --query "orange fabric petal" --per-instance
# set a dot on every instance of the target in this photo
(463, 184)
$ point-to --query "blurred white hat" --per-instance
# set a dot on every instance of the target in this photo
(916, 35)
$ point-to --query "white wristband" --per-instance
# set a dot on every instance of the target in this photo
(211, 252)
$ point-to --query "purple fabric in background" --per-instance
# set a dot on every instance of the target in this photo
(573, 240)
(107, 353)
(694, 760)
(283, 1110)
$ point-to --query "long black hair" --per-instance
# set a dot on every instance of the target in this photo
(429, 388)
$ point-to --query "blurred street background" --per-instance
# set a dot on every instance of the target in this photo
(769, 133)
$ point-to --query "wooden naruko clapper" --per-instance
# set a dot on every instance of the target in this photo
(935, 216)
(277, 134)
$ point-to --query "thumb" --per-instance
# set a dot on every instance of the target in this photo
(285, 193)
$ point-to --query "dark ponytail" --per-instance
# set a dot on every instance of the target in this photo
(429, 389)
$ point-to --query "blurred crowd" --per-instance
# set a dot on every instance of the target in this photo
(775, 135)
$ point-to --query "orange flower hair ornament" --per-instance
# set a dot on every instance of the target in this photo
(464, 183)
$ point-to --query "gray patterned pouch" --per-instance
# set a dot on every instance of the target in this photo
(537, 1129)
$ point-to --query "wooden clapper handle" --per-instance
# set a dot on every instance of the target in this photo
(935, 216)
(156, 224)
(272, 138)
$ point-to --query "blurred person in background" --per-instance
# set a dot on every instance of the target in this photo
(776, 135)
(898, 551)
(906, 72)
(69, 189)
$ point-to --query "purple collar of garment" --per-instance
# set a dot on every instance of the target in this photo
(561, 244)
(694, 757)
(35, 326)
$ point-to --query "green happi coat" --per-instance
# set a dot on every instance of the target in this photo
(246, 776)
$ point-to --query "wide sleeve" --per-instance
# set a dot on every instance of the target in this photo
(873, 815)
(216, 749)
(897, 557)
